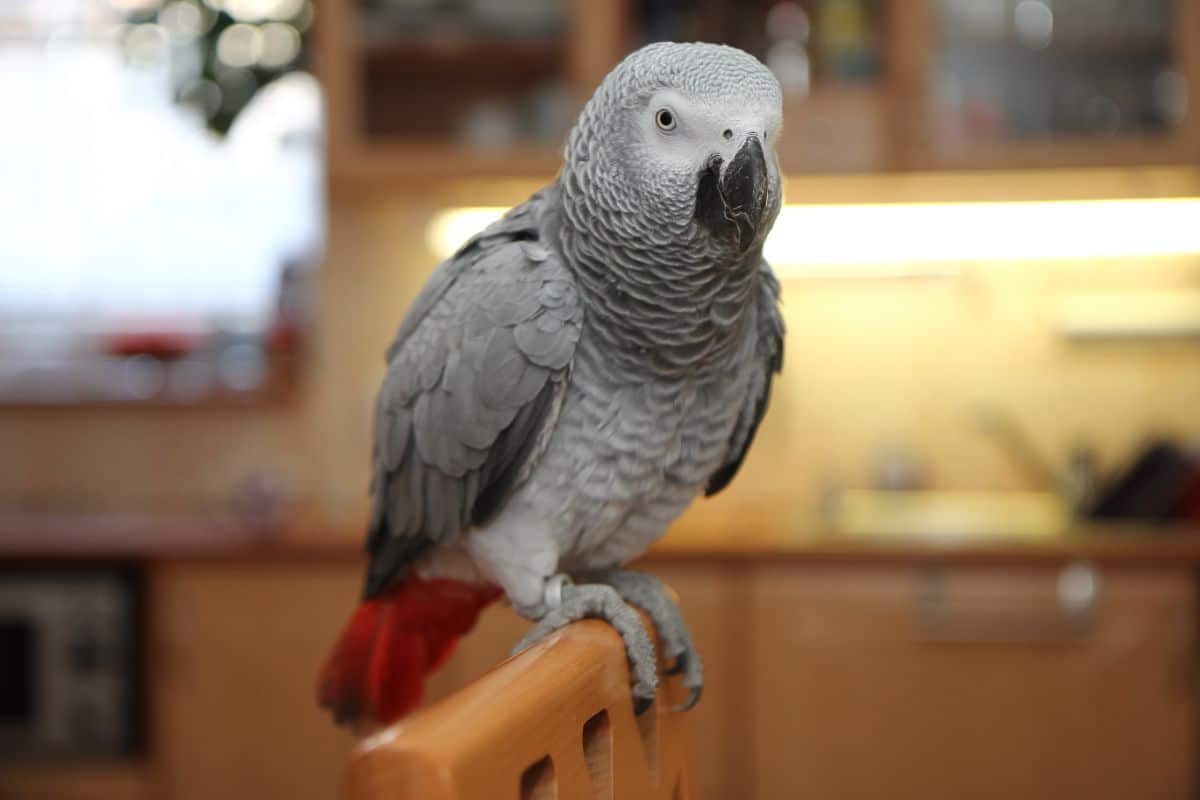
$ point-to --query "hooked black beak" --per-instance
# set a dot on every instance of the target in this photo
(732, 203)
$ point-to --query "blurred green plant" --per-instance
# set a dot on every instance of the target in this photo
(218, 53)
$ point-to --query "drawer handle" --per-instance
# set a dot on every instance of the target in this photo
(938, 618)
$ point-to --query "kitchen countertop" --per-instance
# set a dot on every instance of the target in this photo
(700, 535)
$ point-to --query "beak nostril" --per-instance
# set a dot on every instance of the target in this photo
(728, 134)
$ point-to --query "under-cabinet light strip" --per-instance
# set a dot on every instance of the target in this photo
(920, 233)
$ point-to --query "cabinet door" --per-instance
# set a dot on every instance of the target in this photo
(233, 664)
(1047, 83)
(713, 599)
(981, 683)
(235, 651)
(77, 781)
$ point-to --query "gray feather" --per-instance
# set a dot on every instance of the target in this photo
(769, 354)
(474, 379)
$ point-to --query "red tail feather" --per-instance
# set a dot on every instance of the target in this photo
(376, 672)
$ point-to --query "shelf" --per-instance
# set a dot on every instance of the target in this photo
(1101, 45)
(74, 391)
(1057, 152)
(385, 164)
(417, 96)
(495, 60)
(836, 130)
(768, 534)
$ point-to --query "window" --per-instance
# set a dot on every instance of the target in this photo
(149, 209)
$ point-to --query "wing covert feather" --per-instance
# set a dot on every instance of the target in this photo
(474, 383)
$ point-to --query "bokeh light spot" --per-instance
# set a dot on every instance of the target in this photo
(1034, 23)
(134, 7)
(240, 45)
(280, 45)
(203, 95)
(183, 18)
(146, 45)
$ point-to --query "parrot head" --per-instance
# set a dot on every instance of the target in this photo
(679, 141)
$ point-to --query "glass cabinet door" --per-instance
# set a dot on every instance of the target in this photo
(458, 87)
(1058, 82)
(467, 87)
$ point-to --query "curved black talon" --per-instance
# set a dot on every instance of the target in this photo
(641, 705)
(690, 703)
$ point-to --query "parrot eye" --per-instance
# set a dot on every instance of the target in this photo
(664, 119)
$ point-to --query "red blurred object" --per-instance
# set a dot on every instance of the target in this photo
(1189, 505)
(284, 337)
(161, 344)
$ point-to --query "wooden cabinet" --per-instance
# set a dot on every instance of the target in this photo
(901, 682)
(49, 780)
(1048, 83)
(415, 91)
(850, 679)
(244, 643)
(234, 654)
(869, 85)
(713, 599)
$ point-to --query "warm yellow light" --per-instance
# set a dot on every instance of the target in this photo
(450, 229)
(921, 233)
(942, 232)
(1127, 314)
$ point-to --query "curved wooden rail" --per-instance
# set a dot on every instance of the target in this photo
(555, 721)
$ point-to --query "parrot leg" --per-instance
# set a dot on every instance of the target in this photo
(598, 601)
(647, 593)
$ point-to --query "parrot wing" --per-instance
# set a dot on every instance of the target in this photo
(474, 384)
(769, 354)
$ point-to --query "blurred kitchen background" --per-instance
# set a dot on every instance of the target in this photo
(962, 558)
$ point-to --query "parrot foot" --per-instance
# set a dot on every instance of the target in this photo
(648, 593)
(603, 602)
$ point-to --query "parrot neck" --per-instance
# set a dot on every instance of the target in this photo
(661, 296)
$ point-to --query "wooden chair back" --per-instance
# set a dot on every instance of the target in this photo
(555, 722)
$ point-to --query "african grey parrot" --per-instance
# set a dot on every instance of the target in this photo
(569, 380)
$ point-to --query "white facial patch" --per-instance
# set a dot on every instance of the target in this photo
(701, 128)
